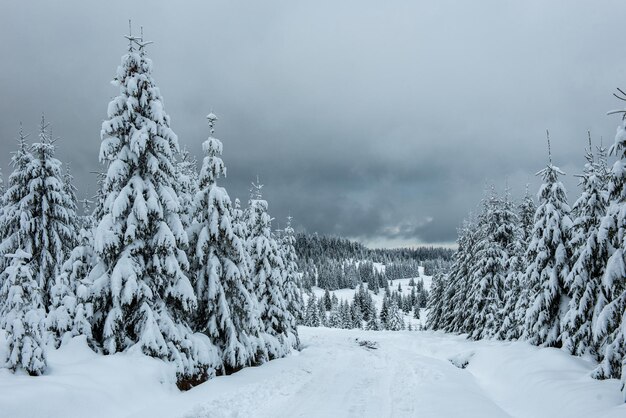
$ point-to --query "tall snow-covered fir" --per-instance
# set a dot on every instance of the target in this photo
(267, 268)
(548, 256)
(486, 295)
(291, 278)
(513, 315)
(584, 281)
(140, 290)
(456, 308)
(227, 312)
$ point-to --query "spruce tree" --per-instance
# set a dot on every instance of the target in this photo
(311, 314)
(416, 312)
(70, 308)
(454, 310)
(291, 278)
(226, 312)
(22, 315)
(334, 317)
(64, 305)
(267, 268)
(140, 292)
(434, 320)
(610, 325)
(321, 309)
(17, 213)
(357, 316)
(489, 273)
(384, 312)
(548, 255)
(468, 307)
(584, 281)
(72, 203)
(372, 324)
(395, 321)
(513, 316)
(52, 213)
(526, 213)
(326, 300)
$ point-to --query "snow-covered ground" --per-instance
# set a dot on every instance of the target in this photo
(409, 375)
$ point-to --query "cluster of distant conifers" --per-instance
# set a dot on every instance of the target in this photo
(361, 312)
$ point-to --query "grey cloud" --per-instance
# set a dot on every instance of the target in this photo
(373, 120)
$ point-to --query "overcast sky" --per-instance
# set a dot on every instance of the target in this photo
(381, 121)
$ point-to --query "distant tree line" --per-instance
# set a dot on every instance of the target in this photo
(337, 263)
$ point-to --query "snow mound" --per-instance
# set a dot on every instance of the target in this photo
(461, 360)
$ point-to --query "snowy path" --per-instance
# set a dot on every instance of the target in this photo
(409, 375)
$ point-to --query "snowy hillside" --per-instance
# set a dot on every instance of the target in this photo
(408, 374)
(348, 294)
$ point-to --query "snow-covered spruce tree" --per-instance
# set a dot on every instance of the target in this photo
(22, 315)
(267, 267)
(455, 309)
(384, 312)
(226, 312)
(372, 323)
(395, 321)
(610, 325)
(346, 315)
(356, 315)
(291, 277)
(471, 281)
(53, 221)
(70, 191)
(16, 214)
(416, 312)
(241, 229)
(548, 256)
(512, 319)
(526, 214)
(70, 308)
(584, 281)
(334, 317)
(322, 313)
(63, 303)
(141, 295)
(311, 314)
(489, 273)
(327, 300)
(516, 295)
(434, 319)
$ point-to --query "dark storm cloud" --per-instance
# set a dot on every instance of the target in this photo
(382, 121)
